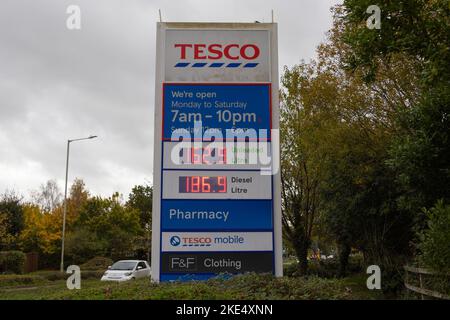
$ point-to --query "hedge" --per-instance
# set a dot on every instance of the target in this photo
(97, 263)
(12, 262)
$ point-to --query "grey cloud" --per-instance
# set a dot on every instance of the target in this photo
(57, 84)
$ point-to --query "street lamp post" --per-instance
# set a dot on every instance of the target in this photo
(65, 198)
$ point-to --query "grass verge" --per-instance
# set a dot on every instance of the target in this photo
(249, 286)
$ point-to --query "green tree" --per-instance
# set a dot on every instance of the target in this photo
(300, 162)
(420, 29)
(341, 128)
(11, 211)
(84, 244)
(41, 233)
(435, 239)
(5, 237)
(141, 199)
(78, 196)
(112, 223)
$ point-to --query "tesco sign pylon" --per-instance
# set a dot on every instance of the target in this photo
(217, 198)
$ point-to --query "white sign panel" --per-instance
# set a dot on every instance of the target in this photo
(216, 185)
(218, 241)
(217, 55)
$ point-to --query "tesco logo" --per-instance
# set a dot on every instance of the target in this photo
(196, 240)
(176, 241)
(218, 51)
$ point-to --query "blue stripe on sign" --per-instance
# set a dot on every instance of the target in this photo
(216, 64)
(218, 215)
(250, 65)
(199, 65)
(181, 64)
(233, 65)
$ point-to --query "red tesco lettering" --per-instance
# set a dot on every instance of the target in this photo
(217, 51)
(196, 240)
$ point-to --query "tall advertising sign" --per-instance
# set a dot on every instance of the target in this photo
(217, 202)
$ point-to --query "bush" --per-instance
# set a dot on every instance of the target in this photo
(356, 263)
(12, 262)
(51, 275)
(14, 280)
(290, 269)
(328, 268)
(91, 275)
(97, 263)
(83, 244)
(57, 275)
(435, 240)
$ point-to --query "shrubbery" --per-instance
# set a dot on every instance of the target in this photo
(97, 263)
(328, 268)
(249, 286)
(435, 240)
(12, 262)
(43, 278)
(14, 280)
(56, 275)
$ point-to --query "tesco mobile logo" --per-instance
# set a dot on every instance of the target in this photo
(201, 52)
(175, 241)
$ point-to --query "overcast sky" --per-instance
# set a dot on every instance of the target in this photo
(57, 84)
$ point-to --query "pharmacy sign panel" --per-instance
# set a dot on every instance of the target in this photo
(217, 206)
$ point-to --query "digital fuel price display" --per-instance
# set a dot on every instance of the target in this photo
(202, 184)
(204, 155)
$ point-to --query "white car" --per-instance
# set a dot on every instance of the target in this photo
(125, 270)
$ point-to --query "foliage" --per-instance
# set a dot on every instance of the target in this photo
(76, 200)
(338, 130)
(43, 278)
(83, 244)
(420, 29)
(108, 225)
(435, 240)
(14, 280)
(248, 287)
(141, 198)
(97, 263)
(12, 261)
(42, 231)
(417, 27)
(419, 152)
(421, 156)
(300, 162)
(51, 275)
(95, 226)
(328, 268)
(48, 197)
(11, 219)
(5, 237)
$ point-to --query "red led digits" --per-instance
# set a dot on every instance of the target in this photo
(222, 183)
(206, 187)
(202, 184)
(208, 155)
